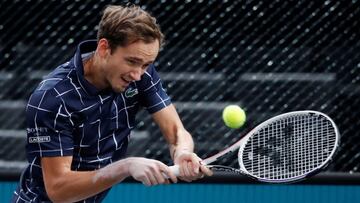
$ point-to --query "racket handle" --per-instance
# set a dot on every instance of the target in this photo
(174, 169)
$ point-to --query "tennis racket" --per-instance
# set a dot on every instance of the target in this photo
(286, 148)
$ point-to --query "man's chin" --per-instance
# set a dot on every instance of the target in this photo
(119, 89)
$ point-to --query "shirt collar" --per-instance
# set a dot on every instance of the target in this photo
(85, 47)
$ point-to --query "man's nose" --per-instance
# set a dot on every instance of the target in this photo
(136, 74)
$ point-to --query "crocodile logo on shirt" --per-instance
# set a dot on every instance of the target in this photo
(131, 92)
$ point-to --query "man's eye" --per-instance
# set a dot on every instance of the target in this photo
(132, 62)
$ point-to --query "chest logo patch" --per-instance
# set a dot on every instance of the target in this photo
(131, 92)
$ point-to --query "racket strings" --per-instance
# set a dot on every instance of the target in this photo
(290, 147)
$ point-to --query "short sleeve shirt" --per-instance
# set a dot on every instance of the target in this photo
(67, 116)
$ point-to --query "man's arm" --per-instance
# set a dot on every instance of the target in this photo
(181, 144)
(64, 185)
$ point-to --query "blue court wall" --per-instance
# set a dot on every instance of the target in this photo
(244, 193)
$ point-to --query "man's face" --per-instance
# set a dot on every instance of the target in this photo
(128, 64)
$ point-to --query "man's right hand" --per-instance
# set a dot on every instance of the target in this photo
(149, 171)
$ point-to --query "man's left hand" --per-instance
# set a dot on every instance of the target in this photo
(191, 167)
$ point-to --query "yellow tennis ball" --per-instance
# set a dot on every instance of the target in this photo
(234, 116)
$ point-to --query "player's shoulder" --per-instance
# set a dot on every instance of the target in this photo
(58, 77)
(46, 99)
(51, 87)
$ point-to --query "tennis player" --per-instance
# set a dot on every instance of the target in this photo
(80, 116)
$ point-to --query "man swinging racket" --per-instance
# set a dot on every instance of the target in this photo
(80, 116)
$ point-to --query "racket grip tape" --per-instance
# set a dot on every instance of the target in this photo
(174, 169)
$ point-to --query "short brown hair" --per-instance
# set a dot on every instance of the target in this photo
(123, 25)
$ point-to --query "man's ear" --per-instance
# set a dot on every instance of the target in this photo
(103, 48)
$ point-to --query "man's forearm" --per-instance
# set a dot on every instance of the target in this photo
(78, 185)
(178, 138)
(184, 142)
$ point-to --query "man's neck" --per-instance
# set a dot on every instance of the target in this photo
(92, 72)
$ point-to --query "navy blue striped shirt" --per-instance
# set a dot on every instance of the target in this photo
(68, 116)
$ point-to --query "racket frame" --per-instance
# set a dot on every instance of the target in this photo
(240, 145)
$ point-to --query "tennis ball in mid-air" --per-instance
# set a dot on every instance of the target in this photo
(234, 116)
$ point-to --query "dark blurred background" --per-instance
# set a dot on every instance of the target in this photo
(269, 57)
